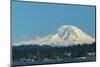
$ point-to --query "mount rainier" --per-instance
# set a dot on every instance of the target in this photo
(67, 35)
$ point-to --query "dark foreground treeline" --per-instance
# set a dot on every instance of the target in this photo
(36, 52)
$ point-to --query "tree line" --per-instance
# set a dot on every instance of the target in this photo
(37, 52)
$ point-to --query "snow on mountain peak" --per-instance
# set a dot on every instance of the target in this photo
(64, 27)
(66, 35)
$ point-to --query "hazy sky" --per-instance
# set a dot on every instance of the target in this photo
(33, 19)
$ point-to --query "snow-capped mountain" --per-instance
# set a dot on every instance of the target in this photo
(66, 35)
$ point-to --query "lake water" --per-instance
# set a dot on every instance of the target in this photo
(49, 61)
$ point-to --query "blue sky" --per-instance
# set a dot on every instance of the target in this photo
(33, 19)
